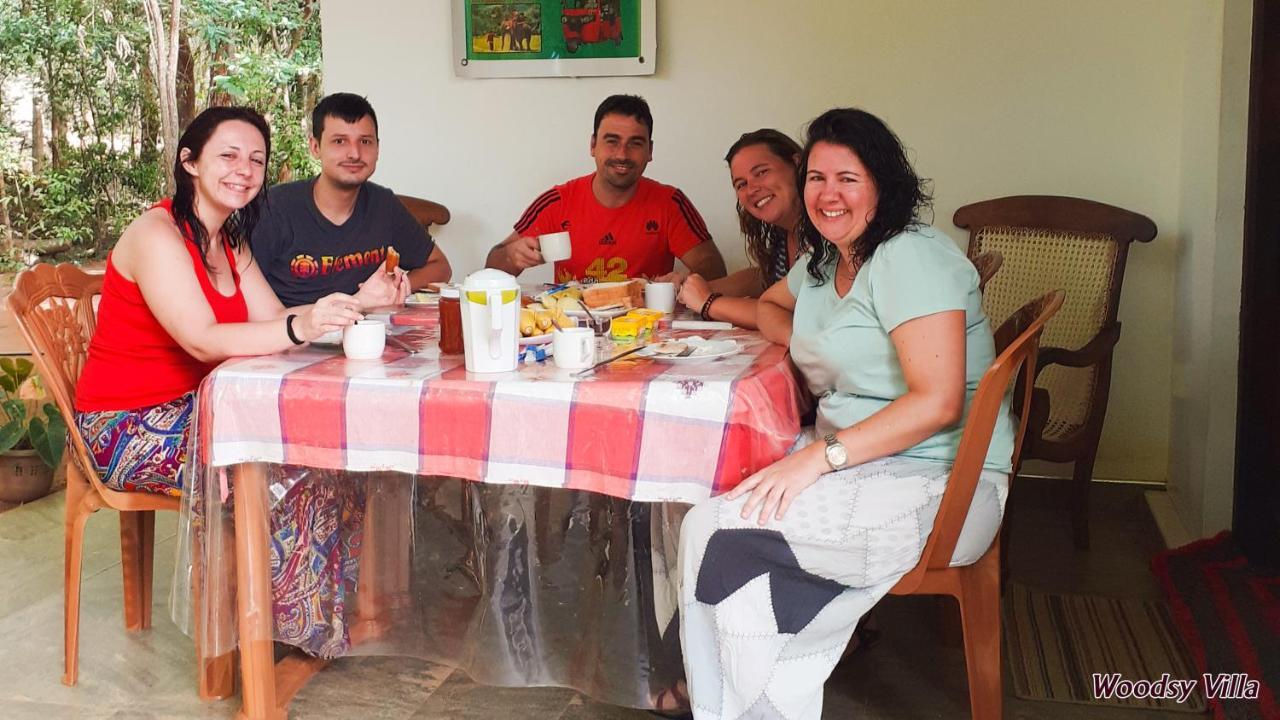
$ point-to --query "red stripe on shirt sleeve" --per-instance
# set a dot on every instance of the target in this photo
(530, 216)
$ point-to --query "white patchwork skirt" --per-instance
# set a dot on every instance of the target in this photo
(767, 611)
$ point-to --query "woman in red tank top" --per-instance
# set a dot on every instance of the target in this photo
(181, 294)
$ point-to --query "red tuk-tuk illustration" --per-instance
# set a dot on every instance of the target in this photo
(590, 21)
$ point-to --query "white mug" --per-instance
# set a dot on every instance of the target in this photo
(365, 340)
(573, 348)
(660, 296)
(555, 246)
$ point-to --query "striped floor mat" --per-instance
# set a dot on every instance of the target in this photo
(1096, 650)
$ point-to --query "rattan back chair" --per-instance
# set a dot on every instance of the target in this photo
(1080, 246)
(53, 306)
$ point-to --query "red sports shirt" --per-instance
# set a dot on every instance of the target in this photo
(643, 237)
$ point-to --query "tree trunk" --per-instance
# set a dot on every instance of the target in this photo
(57, 116)
(164, 69)
(186, 82)
(39, 148)
(148, 114)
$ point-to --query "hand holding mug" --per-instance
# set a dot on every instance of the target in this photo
(329, 313)
(524, 253)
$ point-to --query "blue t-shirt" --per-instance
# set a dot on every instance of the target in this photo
(843, 349)
(305, 257)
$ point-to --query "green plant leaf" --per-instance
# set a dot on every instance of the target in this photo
(10, 433)
(51, 439)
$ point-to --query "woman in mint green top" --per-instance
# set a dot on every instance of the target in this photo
(885, 323)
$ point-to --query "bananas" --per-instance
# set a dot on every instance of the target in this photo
(538, 319)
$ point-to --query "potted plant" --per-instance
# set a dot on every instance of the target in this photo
(32, 436)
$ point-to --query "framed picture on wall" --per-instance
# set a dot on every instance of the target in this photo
(554, 38)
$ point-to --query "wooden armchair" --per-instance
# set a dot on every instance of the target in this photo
(976, 587)
(53, 307)
(427, 213)
(987, 264)
(1080, 246)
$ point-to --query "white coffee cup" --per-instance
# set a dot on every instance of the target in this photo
(660, 296)
(573, 348)
(365, 340)
(555, 246)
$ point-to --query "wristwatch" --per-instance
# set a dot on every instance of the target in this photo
(837, 456)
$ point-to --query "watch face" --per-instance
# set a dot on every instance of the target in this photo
(836, 455)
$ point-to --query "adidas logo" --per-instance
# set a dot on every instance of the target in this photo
(608, 239)
(651, 226)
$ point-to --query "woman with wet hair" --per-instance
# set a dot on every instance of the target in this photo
(181, 294)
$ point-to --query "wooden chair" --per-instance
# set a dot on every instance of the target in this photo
(1081, 246)
(987, 265)
(976, 587)
(53, 307)
(427, 213)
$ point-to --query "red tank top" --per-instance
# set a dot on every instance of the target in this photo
(133, 362)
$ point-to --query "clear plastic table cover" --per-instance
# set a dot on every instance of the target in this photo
(517, 584)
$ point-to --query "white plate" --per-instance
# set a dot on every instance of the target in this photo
(422, 298)
(706, 350)
(606, 313)
(535, 339)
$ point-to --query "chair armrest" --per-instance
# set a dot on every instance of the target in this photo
(1094, 352)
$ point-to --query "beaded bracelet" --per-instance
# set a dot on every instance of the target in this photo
(706, 306)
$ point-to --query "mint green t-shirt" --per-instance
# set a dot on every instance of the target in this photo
(843, 349)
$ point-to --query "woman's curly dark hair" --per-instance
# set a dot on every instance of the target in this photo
(239, 225)
(902, 196)
(762, 237)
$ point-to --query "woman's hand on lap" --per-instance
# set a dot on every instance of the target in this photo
(773, 489)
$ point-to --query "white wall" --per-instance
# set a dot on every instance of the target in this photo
(1207, 305)
(994, 97)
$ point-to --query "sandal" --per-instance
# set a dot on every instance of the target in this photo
(672, 703)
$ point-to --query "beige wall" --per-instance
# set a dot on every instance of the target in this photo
(1207, 280)
(1085, 98)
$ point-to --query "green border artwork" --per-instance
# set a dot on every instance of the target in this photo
(515, 38)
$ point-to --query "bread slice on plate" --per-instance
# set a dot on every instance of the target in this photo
(628, 293)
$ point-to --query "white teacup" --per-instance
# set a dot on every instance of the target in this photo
(573, 348)
(365, 340)
(555, 246)
(660, 296)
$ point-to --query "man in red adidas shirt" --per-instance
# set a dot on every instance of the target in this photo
(621, 224)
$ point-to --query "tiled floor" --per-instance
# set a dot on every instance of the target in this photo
(914, 672)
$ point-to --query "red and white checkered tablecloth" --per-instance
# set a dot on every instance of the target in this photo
(641, 430)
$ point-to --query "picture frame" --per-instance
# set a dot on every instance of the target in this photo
(554, 38)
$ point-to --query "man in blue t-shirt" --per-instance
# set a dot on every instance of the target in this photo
(329, 233)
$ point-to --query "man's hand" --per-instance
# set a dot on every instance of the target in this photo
(523, 253)
(383, 288)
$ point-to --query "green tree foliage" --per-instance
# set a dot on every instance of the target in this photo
(86, 62)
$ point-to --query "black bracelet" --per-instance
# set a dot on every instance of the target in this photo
(288, 327)
(706, 306)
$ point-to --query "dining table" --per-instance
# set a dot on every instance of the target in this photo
(521, 526)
